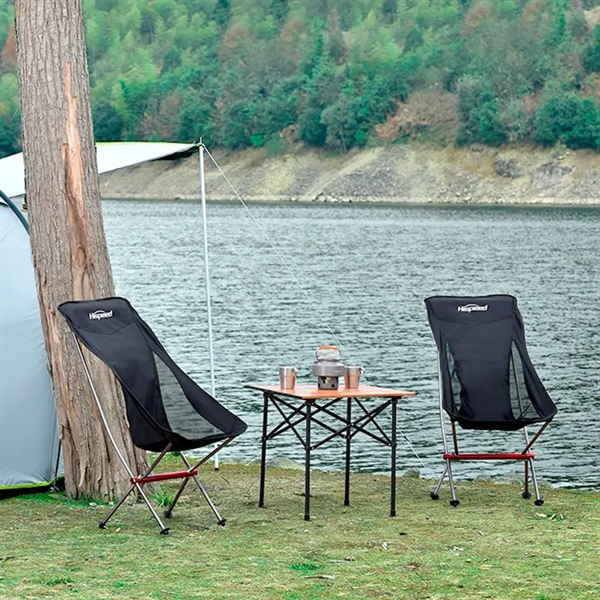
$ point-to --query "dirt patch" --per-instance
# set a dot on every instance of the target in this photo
(432, 109)
(592, 16)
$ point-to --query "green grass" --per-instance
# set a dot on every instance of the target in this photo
(494, 545)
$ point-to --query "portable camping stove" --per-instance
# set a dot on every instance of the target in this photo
(328, 368)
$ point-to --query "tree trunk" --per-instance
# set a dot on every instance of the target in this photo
(70, 255)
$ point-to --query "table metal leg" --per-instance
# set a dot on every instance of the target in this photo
(348, 443)
(307, 465)
(393, 473)
(263, 453)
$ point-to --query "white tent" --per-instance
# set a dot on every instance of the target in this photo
(28, 429)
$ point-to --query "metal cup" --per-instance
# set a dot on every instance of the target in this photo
(287, 378)
(352, 377)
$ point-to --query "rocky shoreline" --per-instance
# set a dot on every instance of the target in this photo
(397, 173)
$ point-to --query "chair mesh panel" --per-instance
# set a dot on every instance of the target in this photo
(182, 417)
(520, 401)
(455, 384)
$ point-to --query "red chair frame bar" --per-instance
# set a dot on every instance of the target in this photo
(490, 456)
(163, 476)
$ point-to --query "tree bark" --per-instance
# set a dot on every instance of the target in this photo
(69, 248)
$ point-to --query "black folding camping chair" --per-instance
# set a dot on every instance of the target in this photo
(167, 411)
(486, 378)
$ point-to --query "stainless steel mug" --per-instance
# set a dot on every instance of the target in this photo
(287, 378)
(352, 377)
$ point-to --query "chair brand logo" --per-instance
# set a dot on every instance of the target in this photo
(100, 314)
(469, 308)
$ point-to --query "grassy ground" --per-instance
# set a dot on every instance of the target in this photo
(495, 545)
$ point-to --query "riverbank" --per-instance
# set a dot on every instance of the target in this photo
(494, 545)
(396, 173)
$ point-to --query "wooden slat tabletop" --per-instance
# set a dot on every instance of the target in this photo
(311, 392)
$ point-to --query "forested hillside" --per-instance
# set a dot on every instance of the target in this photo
(334, 73)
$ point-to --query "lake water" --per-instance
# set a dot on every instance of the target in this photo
(289, 277)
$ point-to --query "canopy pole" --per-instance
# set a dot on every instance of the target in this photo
(207, 280)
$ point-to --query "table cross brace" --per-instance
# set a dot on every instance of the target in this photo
(288, 423)
(359, 426)
(370, 417)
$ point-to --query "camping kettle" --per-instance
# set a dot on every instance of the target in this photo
(328, 367)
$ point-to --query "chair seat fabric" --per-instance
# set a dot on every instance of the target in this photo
(164, 405)
(487, 378)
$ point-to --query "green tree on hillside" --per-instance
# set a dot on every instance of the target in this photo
(567, 119)
(479, 113)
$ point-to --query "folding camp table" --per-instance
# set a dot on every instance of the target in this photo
(304, 405)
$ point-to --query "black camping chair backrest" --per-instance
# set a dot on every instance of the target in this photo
(163, 404)
(487, 378)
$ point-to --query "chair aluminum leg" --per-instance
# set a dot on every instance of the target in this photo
(116, 507)
(169, 512)
(448, 470)
(538, 499)
(164, 530)
(435, 495)
(454, 501)
(529, 462)
(220, 519)
(526, 493)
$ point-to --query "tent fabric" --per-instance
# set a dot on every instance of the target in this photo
(487, 378)
(164, 405)
(28, 426)
(110, 156)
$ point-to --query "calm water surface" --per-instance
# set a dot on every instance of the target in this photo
(292, 277)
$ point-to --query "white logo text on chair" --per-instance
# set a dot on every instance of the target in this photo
(100, 314)
(468, 308)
